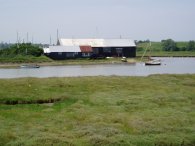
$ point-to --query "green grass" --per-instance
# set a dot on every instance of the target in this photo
(167, 53)
(24, 59)
(137, 111)
(156, 50)
(157, 46)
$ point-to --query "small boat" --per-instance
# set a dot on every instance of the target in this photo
(153, 62)
(150, 61)
(124, 59)
(29, 66)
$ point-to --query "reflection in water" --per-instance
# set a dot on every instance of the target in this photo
(169, 66)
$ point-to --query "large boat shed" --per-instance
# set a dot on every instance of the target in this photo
(78, 48)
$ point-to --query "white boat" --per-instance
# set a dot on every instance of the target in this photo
(153, 62)
(150, 60)
(29, 66)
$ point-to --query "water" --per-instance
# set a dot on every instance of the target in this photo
(169, 66)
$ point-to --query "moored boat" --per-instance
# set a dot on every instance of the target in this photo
(124, 59)
(150, 61)
(29, 66)
(153, 62)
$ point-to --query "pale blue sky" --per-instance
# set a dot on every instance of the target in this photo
(136, 19)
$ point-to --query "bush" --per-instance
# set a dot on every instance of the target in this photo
(169, 45)
(191, 46)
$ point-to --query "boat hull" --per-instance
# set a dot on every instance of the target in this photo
(29, 66)
(153, 63)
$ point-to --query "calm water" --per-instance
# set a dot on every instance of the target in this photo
(169, 66)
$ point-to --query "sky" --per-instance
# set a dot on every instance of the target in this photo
(135, 19)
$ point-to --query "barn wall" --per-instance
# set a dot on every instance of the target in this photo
(63, 55)
(115, 51)
(129, 51)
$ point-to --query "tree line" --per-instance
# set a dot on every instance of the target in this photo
(171, 45)
(4, 45)
(23, 49)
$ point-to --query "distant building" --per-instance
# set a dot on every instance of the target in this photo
(79, 48)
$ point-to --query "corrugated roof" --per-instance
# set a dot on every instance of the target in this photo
(98, 42)
(119, 43)
(62, 49)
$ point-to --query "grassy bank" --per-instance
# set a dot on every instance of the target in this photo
(44, 61)
(157, 50)
(154, 110)
(167, 53)
(22, 59)
(157, 46)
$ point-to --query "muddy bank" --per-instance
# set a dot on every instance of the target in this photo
(39, 101)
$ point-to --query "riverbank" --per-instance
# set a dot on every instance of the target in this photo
(154, 110)
(167, 53)
(84, 61)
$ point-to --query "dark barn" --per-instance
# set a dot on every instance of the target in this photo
(80, 48)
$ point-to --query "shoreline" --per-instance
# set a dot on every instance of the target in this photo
(71, 62)
(12, 65)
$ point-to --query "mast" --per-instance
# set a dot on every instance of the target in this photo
(32, 40)
(27, 37)
(148, 45)
(57, 37)
(50, 40)
(96, 29)
(17, 39)
(150, 51)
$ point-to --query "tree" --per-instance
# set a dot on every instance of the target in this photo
(191, 46)
(22, 49)
(169, 45)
